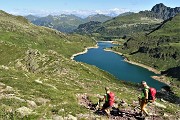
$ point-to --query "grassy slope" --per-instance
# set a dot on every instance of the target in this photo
(35, 65)
(36, 72)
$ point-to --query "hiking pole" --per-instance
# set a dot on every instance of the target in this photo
(154, 110)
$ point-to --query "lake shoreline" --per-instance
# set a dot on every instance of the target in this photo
(86, 49)
(160, 78)
(83, 52)
(135, 63)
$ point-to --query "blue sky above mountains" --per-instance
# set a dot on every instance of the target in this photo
(80, 7)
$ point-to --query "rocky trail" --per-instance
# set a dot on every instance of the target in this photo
(122, 111)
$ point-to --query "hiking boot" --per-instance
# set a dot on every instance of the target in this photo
(147, 114)
(140, 114)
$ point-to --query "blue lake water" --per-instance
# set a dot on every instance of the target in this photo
(115, 64)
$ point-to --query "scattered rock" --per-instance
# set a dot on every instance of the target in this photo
(9, 88)
(4, 67)
(162, 100)
(84, 100)
(70, 117)
(31, 104)
(24, 111)
(159, 105)
(51, 86)
(122, 104)
(38, 81)
(165, 115)
(42, 101)
(2, 84)
(57, 117)
(17, 98)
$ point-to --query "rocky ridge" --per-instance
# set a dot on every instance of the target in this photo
(165, 12)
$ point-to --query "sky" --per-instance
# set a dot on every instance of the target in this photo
(80, 7)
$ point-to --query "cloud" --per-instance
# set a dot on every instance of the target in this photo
(80, 13)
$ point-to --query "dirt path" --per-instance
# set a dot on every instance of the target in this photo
(124, 114)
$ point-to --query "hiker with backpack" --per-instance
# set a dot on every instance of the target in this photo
(148, 95)
(109, 98)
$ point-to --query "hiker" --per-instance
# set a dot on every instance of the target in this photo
(109, 101)
(100, 102)
(144, 98)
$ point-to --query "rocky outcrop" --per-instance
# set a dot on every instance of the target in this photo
(173, 72)
(164, 12)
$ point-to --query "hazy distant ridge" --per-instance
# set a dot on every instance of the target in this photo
(65, 23)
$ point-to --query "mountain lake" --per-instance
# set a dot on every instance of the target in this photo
(115, 64)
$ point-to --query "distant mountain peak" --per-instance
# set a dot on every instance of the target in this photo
(165, 12)
(158, 7)
(161, 4)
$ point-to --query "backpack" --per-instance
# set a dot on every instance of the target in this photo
(111, 96)
(152, 94)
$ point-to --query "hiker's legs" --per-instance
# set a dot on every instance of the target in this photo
(107, 108)
(143, 107)
(140, 101)
(105, 105)
(100, 104)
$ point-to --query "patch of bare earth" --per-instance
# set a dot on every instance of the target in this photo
(126, 113)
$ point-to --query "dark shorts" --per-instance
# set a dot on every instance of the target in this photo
(106, 105)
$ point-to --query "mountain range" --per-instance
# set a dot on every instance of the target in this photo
(65, 23)
(129, 24)
(68, 23)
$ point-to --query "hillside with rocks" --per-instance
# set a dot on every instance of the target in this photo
(38, 80)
